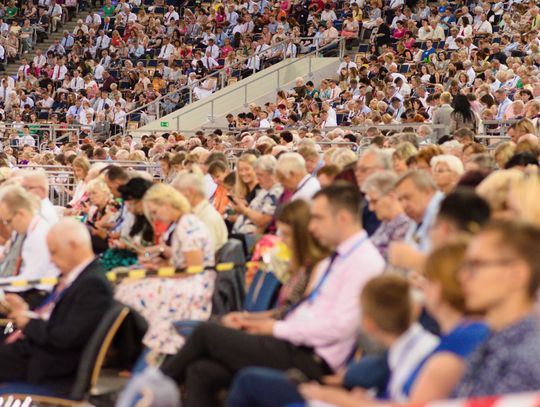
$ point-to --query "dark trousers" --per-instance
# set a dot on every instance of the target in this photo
(214, 354)
(260, 387)
(14, 360)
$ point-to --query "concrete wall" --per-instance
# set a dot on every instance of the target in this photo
(260, 88)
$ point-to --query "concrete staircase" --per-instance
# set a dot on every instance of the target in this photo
(12, 68)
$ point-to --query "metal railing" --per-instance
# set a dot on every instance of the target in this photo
(222, 73)
(339, 44)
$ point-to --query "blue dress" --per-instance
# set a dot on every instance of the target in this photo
(462, 341)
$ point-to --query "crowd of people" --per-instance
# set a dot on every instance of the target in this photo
(406, 260)
(419, 242)
(125, 55)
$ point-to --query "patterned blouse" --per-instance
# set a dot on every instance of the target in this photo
(191, 234)
(388, 232)
(265, 202)
(162, 301)
(507, 362)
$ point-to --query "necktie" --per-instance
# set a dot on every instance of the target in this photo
(44, 310)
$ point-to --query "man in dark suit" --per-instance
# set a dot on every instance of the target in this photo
(48, 344)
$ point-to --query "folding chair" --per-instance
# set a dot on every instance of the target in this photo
(90, 366)
(261, 296)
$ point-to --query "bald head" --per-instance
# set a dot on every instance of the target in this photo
(70, 244)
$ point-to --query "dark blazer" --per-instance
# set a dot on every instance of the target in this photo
(55, 346)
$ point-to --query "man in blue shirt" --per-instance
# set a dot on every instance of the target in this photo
(500, 278)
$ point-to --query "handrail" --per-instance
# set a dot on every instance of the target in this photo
(199, 81)
(339, 41)
(218, 72)
(354, 128)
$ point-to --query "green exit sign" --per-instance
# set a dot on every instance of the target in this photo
(164, 124)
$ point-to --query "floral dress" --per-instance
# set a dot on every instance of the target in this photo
(163, 301)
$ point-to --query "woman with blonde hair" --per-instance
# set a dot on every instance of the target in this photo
(523, 198)
(186, 243)
(246, 180)
(343, 157)
(503, 153)
(80, 166)
(495, 189)
(403, 152)
(102, 213)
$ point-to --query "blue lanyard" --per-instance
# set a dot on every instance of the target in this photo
(317, 289)
(303, 184)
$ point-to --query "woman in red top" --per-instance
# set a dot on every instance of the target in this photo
(226, 49)
(399, 31)
(116, 40)
(221, 17)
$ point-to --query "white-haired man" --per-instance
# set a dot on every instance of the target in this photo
(50, 340)
(291, 172)
(37, 183)
(19, 211)
(192, 186)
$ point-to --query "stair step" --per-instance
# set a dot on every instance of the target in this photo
(13, 68)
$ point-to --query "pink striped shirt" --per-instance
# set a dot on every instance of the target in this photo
(329, 322)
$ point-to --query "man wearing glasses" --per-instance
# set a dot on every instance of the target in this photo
(19, 213)
(500, 278)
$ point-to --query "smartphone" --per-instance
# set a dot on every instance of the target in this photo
(130, 245)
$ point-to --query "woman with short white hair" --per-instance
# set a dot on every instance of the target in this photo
(379, 191)
(447, 169)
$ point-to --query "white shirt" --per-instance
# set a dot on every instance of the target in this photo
(347, 65)
(77, 83)
(48, 212)
(120, 118)
(103, 42)
(59, 72)
(98, 72)
(405, 355)
(95, 19)
(214, 222)
(306, 188)
(166, 51)
(36, 259)
(214, 49)
(40, 61)
(210, 186)
(171, 16)
(209, 63)
(331, 121)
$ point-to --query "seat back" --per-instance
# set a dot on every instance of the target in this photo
(262, 292)
(95, 351)
(229, 287)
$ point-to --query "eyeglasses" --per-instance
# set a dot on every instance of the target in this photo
(374, 201)
(474, 265)
(365, 169)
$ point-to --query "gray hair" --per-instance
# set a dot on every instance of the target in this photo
(38, 175)
(189, 180)
(291, 163)
(421, 180)
(384, 160)
(266, 163)
(381, 182)
(454, 164)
